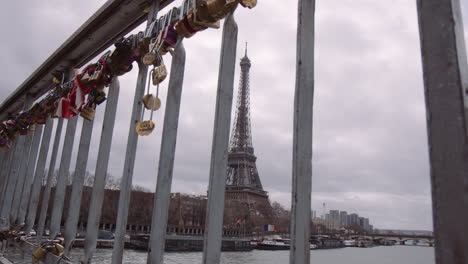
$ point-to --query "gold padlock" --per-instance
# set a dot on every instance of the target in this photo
(249, 3)
(149, 100)
(144, 128)
(39, 254)
(88, 113)
(214, 10)
(159, 74)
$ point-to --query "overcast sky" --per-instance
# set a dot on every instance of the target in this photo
(370, 145)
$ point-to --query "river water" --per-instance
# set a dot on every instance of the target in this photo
(380, 255)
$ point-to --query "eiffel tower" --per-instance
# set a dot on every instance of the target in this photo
(243, 182)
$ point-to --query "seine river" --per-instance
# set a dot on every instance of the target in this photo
(381, 255)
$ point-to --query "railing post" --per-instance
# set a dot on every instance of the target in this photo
(129, 164)
(10, 188)
(302, 135)
(101, 171)
(445, 72)
(50, 177)
(29, 174)
(219, 149)
(23, 164)
(62, 178)
(39, 176)
(13, 179)
(166, 157)
(5, 173)
(77, 185)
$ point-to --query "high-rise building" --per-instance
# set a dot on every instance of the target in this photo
(343, 218)
(353, 219)
(366, 224)
(335, 215)
(314, 214)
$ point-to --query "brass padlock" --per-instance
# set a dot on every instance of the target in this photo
(214, 10)
(249, 3)
(159, 74)
(39, 254)
(144, 128)
(88, 112)
(149, 100)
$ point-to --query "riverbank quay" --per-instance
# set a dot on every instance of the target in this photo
(177, 243)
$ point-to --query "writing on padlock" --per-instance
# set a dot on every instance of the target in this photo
(144, 128)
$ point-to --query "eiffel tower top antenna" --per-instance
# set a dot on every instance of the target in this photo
(246, 44)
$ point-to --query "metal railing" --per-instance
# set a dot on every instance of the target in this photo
(446, 89)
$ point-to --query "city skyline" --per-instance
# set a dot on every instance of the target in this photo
(370, 153)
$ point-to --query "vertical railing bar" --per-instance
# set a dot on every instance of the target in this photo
(12, 180)
(13, 176)
(50, 177)
(302, 135)
(39, 176)
(219, 149)
(132, 143)
(30, 174)
(21, 177)
(101, 171)
(167, 156)
(62, 178)
(445, 74)
(6, 171)
(77, 185)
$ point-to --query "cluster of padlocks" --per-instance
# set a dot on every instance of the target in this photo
(85, 91)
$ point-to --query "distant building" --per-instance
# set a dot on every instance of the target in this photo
(366, 225)
(353, 219)
(328, 223)
(314, 214)
(343, 218)
(361, 222)
(335, 215)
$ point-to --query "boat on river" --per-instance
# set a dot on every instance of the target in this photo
(275, 244)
